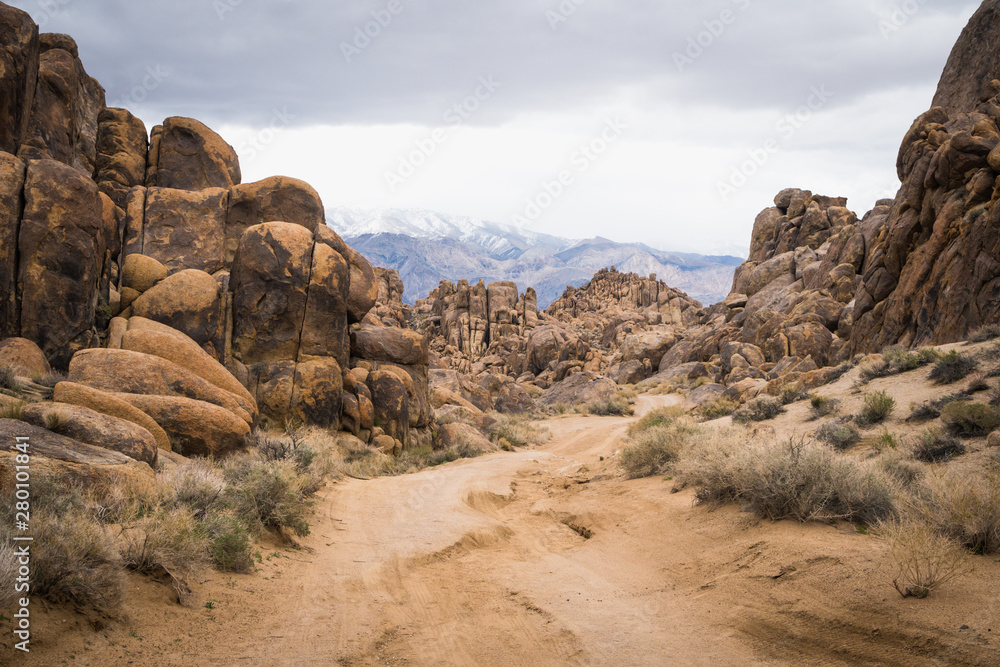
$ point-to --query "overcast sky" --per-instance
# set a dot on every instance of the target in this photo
(672, 122)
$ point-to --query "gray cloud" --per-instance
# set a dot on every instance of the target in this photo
(237, 61)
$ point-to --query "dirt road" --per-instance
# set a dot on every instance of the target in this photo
(544, 557)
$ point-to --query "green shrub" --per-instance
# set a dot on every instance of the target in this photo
(759, 409)
(657, 417)
(791, 395)
(718, 408)
(970, 419)
(168, 538)
(896, 360)
(651, 451)
(821, 406)
(933, 446)
(877, 407)
(839, 434)
(229, 544)
(953, 367)
(793, 480)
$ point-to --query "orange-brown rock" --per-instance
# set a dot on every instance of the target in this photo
(186, 155)
(278, 198)
(62, 251)
(190, 302)
(107, 403)
(141, 273)
(64, 460)
(23, 357)
(184, 229)
(19, 56)
(196, 428)
(94, 428)
(122, 147)
(389, 344)
(317, 393)
(12, 174)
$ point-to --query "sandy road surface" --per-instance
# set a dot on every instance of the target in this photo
(544, 557)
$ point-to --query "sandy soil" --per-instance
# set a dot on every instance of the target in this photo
(544, 557)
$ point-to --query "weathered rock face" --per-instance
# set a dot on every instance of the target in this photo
(19, 57)
(189, 301)
(186, 155)
(122, 150)
(62, 257)
(23, 357)
(106, 403)
(12, 174)
(66, 104)
(276, 199)
(186, 230)
(580, 389)
(932, 273)
(392, 345)
(94, 428)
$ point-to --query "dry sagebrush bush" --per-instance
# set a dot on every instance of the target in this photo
(759, 409)
(964, 505)
(168, 538)
(923, 559)
(789, 480)
(652, 450)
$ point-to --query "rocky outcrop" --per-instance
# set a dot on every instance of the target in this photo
(23, 357)
(94, 428)
(19, 58)
(184, 154)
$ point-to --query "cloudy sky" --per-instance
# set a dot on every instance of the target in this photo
(667, 122)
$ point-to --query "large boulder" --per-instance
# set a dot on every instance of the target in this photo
(550, 343)
(186, 230)
(62, 252)
(141, 273)
(64, 460)
(579, 389)
(137, 373)
(363, 282)
(94, 428)
(651, 345)
(973, 63)
(389, 344)
(107, 403)
(158, 340)
(19, 56)
(317, 393)
(390, 399)
(185, 154)
(23, 357)
(270, 284)
(324, 327)
(196, 428)
(190, 302)
(278, 198)
(462, 436)
(12, 174)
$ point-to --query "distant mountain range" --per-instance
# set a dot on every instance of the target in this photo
(427, 247)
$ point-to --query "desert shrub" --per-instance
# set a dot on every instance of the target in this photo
(933, 446)
(790, 480)
(924, 412)
(896, 360)
(12, 410)
(953, 367)
(965, 506)
(791, 395)
(839, 434)
(970, 419)
(985, 333)
(50, 380)
(977, 383)
(718, 408)
(652, 450)
(759, 409)
(923, 558)
(8, 577)
(821, 406)
(617, 407)
(195, 484)
(517, 430)
(169, 538)
(884, 440)
(266, 494)
(229, 544)
(904, 470)
(657, 417)
(876, 408)
(73, 557)
(9, 381)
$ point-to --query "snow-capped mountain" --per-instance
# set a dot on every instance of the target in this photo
(428, 247)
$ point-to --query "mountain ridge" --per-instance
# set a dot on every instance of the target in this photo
(427, 247)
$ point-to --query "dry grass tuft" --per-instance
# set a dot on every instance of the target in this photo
(923, 559)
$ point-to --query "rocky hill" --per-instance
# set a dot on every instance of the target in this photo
(427, 247)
